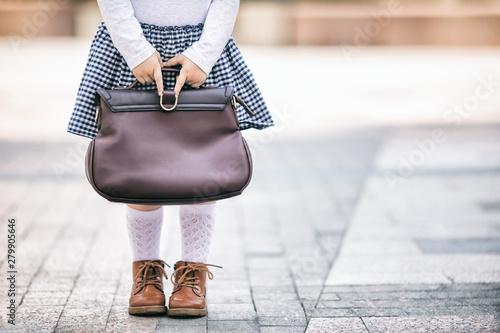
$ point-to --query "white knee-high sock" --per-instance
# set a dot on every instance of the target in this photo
(144, 231)
(197, 226)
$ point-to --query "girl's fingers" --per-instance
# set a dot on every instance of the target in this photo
(141, 79)
(158, 77)
(172, 62)
(181, 79)
(195, 84)
(149, 78)
(158, 56)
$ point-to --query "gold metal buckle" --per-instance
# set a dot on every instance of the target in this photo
(164, 108)
(97, 113)
(233, 102)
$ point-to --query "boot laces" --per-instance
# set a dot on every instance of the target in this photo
(191, 281)
(146, 272)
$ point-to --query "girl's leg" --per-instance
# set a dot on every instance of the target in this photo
(144, 229)
(144, 225)
(197, 225)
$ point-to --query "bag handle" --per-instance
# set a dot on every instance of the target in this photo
(238, 99)
(175, 69)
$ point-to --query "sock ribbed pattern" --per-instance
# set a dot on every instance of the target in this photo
(197, 226)
(144, 231)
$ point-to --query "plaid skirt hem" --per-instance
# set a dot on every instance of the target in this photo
(106, 68)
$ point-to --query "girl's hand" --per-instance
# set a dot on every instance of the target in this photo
(150, 70)
(190, 73)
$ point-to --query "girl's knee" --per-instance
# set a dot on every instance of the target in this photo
(144, 208)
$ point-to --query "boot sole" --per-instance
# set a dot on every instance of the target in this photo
(147, 310)
(186, 312)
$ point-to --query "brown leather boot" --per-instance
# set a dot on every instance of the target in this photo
(188, 296)
(147, 297)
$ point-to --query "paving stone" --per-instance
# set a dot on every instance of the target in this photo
(450, 324)
(120, 320)
(445, 310)
(334, 313)
(381, 288)
(388, 295)
(232, 312)
(285, 320)
(465, 294)
(233, 326)
(171, 324)
(329, 297)
(277, 294)
(29, 301)
(231, 284)
(348, 304)
(467, 245)
(229, 295)
(182, 329)
(276, 308)
(380, 312)
(37, 318)
(321, 325)
(282, 329)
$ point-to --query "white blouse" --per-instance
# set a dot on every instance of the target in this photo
(122, 19)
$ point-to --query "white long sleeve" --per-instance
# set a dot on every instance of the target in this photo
(122, 19)
(125, 31)
(217, 29)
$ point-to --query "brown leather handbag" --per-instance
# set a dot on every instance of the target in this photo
(167, 150)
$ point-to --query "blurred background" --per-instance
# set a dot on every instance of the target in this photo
(294, 22)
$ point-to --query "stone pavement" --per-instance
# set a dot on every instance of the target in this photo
(378, 229)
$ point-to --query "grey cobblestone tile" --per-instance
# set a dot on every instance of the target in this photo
(182, 329)
(232, 312)
(334, 313)
(282, 329)
(455, 324)
(46, 300)
(396, 301)
(309, 307)
(417, 302)
(259, 278)
(380, 288)
(310, 293)
(351, 325)
(349, 304)
(229, 295)
(465, 294)
(276, 308)
(84, 323)
(330, 297)
(166, 324)
(444, 310)
(274, 293)
(233, 326)
(120, 320)
(37, 318)
(223, 284)
(380, 312)
(389, 295)
(293, 319)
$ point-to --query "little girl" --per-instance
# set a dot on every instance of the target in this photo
(132, 41)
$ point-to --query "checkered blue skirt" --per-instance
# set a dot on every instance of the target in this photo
(106, 68)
